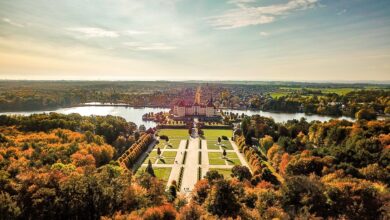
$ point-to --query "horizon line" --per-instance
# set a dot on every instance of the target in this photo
(374, 82)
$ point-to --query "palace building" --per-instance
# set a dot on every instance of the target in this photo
(182, 109)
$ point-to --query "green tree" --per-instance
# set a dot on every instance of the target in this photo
(241, 172)
(366, 114)
(212, 175)
(149, 169)
(222, 201)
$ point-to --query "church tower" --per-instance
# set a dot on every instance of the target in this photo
(197, 96)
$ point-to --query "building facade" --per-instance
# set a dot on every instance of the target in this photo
(181, 109)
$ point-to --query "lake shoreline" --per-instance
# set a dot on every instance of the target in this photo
(156, 106)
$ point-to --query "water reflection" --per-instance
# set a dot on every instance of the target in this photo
(283, 117)
(128, 113)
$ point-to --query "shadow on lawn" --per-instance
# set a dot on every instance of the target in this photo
(228, 160)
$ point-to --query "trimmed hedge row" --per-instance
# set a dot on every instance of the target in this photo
(180, 177)
(184, 158)
(130, 156)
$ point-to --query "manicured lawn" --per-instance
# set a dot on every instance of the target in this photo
(215, 155)
(161, 145)
(211, 145)
(169, 154)
(215, 158)
(231, 155)
(166, 160)
(152, 159)
(162, 172)
(234, 161)
(225, 172)
(173, 144)
(216, 161)
(153, 153)
(213, 134)
(226, 145)
(174, 133)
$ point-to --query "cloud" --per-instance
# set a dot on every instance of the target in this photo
(245, 14)
(241, 3)
(93, 32)
(9, 21)
(135, 32)
(264, 34)
(148, 46)
(342, 12)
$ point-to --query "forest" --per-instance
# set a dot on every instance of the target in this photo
(311, 98)
(65, 167)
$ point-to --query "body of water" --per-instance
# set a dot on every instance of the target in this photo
(128, 113)
(283, 117)
(135, 114)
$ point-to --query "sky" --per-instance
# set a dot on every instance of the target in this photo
(279, 40)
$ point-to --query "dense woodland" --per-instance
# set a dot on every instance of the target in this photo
(312, 98)
(58, 166)
(316, 102)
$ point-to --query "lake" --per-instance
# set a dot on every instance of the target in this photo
(283, 117)
(128, 113)
(135, 114)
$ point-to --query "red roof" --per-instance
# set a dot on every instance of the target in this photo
(181, 103)
(210, 104)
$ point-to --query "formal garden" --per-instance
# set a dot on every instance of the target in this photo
(176, 152)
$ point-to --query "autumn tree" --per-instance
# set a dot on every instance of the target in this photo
(222, 201)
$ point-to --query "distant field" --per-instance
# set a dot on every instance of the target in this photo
(277, 95)
(339, 91)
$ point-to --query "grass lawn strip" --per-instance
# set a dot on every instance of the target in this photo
(174, 133)
(211, 134)
(166, 160)
(234, 161)
(217, 155)
(169, 154)
(216, 161)
(162, 172)
(212, 145)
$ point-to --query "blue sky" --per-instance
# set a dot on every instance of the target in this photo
(298, 40)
